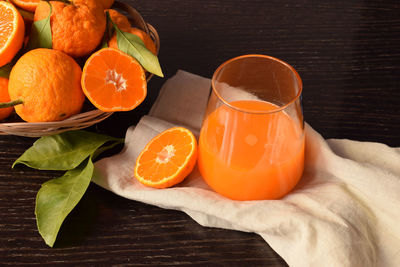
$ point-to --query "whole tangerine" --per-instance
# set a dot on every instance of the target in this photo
(106, 3)
(119, 19)
(46, 83)
(77, 28)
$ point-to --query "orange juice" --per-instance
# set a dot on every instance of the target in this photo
(245, 155)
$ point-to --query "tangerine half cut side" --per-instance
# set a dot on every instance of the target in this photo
(167, 159)
(113, 81)
(12, 30)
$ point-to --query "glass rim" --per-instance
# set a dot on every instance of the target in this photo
(278, 109)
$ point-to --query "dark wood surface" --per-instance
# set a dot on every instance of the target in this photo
(348, 55)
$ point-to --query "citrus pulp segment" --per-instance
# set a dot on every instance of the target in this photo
(12, 31)
(167, 159)
(113, 81)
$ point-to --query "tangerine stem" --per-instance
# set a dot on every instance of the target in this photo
(11, 103)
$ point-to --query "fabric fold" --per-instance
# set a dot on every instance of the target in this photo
(344, 211)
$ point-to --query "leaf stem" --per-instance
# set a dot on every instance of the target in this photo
(11, 103)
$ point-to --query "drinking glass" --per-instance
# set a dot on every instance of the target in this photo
(251, 144)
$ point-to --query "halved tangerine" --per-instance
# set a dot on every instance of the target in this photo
(12, 30)
(113, 81)
(167, 159)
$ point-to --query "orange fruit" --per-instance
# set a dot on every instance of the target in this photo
(167, 159)
(106, 3)
(48, 83)
(119, 19)
(12, 30)
(29, 5)
(77, 28)
(148, 42)
(113, 81)
(4, 97)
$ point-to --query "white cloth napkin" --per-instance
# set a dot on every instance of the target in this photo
(344, 212)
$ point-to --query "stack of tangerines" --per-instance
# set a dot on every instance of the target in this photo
(47, 84)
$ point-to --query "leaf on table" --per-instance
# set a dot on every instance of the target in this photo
(57, 198)
(40, 36)
(63, 151)
(134, 46)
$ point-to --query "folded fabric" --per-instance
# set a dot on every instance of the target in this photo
(344, 211)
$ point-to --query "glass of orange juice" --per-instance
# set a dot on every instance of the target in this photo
(251, 144)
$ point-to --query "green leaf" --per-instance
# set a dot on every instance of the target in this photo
(41, 33)
(5, 70)
(134, 46)
(63, 151)
(57, 198)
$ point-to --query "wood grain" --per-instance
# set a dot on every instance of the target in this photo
(348, 55)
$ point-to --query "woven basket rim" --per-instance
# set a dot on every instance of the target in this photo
(87, 118)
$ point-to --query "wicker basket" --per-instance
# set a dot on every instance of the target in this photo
(15, 126)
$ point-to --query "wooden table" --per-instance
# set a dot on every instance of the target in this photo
(348, 55)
